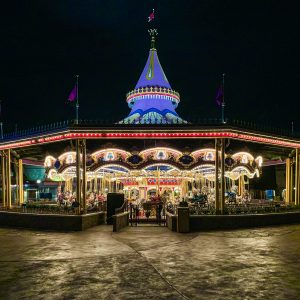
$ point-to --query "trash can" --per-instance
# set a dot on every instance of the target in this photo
(183, 219)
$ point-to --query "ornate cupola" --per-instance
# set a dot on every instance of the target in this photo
(153, 101)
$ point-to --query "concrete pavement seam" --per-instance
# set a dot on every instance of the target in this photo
(156, 270)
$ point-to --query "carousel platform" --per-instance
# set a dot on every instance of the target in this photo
(199, 223)
(56, 222)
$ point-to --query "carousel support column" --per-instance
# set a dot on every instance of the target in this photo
(83, 145)
(222, 198)
(287, 179)
(8, 180)
(296, 176)
(95, 184)
(292, 181)
(17, 190)
(217, 194)
(3, 169)
(21, 184)
(78, 185)
(297, 179)
(242, 185)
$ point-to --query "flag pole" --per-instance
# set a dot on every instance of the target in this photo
(223, 102)
(77, 100)
(1, 123)
(158, 181)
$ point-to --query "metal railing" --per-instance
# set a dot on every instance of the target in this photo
(243, 209)
(50, 209)
(204, 122)
(53, 127)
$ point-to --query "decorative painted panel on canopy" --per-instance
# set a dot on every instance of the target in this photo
(160, 154)
(207, 154)
(110, 154)
(68, 158)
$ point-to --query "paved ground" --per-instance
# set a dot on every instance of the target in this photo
(150, 263)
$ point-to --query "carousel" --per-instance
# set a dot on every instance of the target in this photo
(210, 164)
(153, 172)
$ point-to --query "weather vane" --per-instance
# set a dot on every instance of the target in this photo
(153, 33)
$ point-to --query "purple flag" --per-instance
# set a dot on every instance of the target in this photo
(219, 96)
(151, 16)
(73, 95)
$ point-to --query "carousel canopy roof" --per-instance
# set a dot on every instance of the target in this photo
(153, 74)
(42, 144)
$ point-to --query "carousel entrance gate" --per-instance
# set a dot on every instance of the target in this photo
(147, 213)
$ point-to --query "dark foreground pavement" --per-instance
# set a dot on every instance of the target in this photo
(150, 263)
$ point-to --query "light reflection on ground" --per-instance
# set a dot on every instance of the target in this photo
(150, 263)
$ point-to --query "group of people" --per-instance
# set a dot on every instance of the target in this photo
(206, 196)
(66, 199)
(152, 207)
(93, 200)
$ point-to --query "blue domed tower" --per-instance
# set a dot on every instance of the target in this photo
(153, 101)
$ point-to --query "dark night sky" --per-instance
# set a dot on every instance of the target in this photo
(44, 44)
